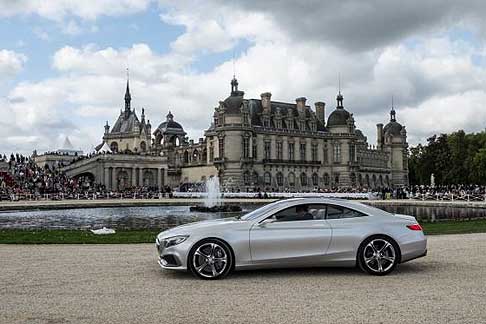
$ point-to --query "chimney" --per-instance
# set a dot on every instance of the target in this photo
(379, 135)
(300, 104)
(266, 100)
(321, 111)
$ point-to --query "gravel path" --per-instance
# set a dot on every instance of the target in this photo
(123, 284)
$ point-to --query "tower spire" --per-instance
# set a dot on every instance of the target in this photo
(128, 97)
(392, 112)
(339, 97)
(234, 85)
(339, 83)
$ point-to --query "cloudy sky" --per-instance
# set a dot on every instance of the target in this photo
(63, 62)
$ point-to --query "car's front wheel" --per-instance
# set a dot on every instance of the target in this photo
(378, 255)
(210, 259)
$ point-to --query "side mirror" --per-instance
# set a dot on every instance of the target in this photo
(267, 221)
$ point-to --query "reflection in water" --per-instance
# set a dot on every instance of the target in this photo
(163, 217)
(437, 213)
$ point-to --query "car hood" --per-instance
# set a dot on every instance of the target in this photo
(202, 225)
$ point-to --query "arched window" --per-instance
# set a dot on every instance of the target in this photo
(291, 177)
(280, 179)
(315, 180)
(246, 178)
(360, 180)
(255, 178)
(367, 180)
(114, 147)
(267, 178)
(353, 179)
(326, 179)
(186, 157)
(204, 155)
(195, 155)
(143, 146)
(303, 179)
(336, 178)
(374, 180)
(381, 180)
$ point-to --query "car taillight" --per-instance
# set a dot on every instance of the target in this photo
(415, 227)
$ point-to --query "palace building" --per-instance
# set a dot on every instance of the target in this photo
(251, 143)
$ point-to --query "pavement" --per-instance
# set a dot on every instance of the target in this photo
(123, 284)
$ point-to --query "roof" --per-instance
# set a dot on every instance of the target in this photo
(126, 125)
(339, 117)
(393, 128)
(67, 144)
(233, 102)
(103, 148)
(285, 109)
(170, 126)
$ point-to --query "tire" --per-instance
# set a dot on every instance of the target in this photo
(378, 255)
(210, 259)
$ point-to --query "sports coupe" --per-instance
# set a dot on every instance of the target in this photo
(299, 232)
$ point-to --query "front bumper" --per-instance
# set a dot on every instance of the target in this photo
(172, 258)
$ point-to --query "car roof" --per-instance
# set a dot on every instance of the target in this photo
(336, 201)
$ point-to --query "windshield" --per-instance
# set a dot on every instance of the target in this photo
(257, 212)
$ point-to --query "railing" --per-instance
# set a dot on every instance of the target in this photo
(299, 162)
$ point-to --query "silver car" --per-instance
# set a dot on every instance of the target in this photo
(300, 232)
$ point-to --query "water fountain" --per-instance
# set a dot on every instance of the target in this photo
(212, 199)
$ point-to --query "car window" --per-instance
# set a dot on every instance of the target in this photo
(338, 212)
(300, 212)
(260, 211)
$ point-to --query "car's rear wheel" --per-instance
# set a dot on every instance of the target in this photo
(210, 259)
(378, 255)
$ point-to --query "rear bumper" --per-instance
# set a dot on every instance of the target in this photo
(414, 249)
(410, 258)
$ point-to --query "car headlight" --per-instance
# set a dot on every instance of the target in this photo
(174, 240)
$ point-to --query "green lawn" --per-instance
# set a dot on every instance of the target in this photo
(12, 236)
(76, 237)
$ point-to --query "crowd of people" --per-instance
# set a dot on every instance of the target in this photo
(22, 178)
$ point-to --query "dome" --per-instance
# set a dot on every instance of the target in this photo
(170, 124)
(233, 103)
(359, 134)
(393, 128)
(338, 117)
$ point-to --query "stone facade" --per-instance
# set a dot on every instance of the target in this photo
(289, 146)
(128, 134)
(260, 143)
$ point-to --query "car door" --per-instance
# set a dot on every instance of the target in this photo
(286, 237)
(348, 227)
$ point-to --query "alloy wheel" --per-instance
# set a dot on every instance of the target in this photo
(379, 256)
(210, 260)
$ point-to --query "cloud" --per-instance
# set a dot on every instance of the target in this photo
(363, 25)
(72, 28)
(59, 9)
(11, 63)
(146, 64)
(292, 52)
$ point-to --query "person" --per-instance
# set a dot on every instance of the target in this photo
(301, 213)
